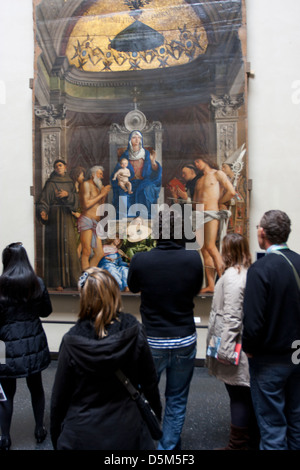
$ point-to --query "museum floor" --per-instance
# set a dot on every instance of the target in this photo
(206, 425)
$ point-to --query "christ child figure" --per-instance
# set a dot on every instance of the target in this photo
(123, 175)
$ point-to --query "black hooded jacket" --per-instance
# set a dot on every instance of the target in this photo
(90, 408)
(168, 277)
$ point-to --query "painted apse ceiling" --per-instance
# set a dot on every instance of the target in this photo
(112, 39)
(168, 53)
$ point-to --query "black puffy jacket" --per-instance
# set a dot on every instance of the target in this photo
(21, 330)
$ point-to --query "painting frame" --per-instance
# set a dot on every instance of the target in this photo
(185, 111)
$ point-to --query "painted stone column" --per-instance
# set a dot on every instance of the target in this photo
(52, 136)
(225, 113)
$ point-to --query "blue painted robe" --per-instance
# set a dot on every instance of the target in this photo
(145, 191)
(114, 264)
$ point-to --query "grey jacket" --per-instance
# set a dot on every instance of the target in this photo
(226, 323)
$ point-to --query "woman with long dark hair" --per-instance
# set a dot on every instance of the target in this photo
(23, 300)
(90, 407)
(225, 357)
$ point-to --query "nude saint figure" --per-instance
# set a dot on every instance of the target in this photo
(92, 193)
(212, 190)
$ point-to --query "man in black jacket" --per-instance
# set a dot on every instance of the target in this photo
(169, 277)
(271, 334)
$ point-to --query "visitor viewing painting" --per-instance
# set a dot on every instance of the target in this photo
(138, 106)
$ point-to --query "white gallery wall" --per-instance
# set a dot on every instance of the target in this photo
(274, 111)
(273, 116)
(16, 68)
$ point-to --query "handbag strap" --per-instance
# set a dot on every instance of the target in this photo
(292, 266)
(133, 392)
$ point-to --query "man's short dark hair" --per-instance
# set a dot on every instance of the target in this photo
(191, 167)
(169, 225)
(59, 160)
(277, 226)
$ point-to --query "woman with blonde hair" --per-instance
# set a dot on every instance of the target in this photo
(225, 357)
(90, 407)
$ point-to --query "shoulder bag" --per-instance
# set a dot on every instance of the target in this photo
(292, 266)
(145, 409)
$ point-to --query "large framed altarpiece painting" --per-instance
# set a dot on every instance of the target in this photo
(140, 106)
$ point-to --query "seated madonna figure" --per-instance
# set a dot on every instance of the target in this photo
(145, 178)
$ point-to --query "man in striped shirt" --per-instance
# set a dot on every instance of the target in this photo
(168, 278)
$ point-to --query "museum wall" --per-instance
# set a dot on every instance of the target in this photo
(16, 204)
(274, 111)
(273, 116)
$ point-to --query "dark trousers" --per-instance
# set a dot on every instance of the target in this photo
(275, 387)
(241, 408)
(35, 386)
